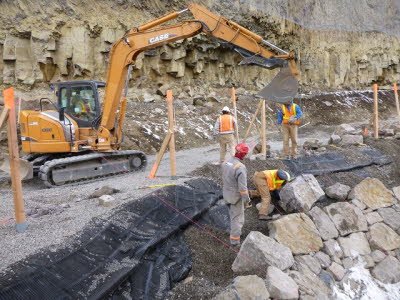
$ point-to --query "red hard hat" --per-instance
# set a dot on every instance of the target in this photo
(241, 150)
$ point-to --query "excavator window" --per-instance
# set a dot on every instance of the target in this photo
(82, 103)
(63, 93)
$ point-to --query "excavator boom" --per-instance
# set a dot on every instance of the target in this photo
(84, 143)
(148, 36)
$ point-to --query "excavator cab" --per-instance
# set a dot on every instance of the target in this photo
(80, 100)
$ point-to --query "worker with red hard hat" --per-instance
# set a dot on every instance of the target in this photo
(235, 192)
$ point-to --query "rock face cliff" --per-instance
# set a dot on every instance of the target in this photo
(45, 41)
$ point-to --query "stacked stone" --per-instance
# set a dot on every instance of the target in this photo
(313, 249)
(346, 135)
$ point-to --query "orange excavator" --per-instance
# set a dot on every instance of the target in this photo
(79, 140)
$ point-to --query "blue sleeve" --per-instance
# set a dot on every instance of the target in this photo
(299, 113)
(280, 116)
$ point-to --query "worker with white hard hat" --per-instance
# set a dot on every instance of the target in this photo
(225, 128)
(267, 182)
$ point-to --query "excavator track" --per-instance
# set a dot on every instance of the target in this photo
(90, 167)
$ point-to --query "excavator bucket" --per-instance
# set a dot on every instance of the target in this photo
(25, 167)
(282, 88)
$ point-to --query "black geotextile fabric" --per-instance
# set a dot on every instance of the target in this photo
(331, 162)
(142, 246)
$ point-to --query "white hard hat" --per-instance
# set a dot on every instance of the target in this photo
(283, 175)
(226, 108)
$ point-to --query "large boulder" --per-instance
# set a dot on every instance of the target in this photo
(373, 193)
(104, 190)
(338, 191)
(300, 194)
(308, 261)
(312, 144)
(280, 285)
(245, 288)
(259, 251)
(347, 218)
(334, 139)
(396, 192)
(388, 270)
(323, 259)
(324, 224)
(332, 248)
(382, 237)
(373, 217)
(344, 129)
(355, 244)
(349, 140)
(390, 217)
(297, 232)
(310, 285)
(336, 270)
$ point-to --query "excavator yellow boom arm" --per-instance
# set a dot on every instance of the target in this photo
(125, 51)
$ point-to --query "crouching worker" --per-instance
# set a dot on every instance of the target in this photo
(234, 178)
(267, 182)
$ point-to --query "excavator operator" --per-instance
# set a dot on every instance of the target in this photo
(80, 106)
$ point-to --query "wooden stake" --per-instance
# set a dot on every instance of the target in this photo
(376, 118)
(19, 208)
(263, 129)
(396, 98)
(171, 123)
(252, 121)
(19, 109)
(4, 117)
(160, 155)
(235, 115)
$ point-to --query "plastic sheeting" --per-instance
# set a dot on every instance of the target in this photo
(332, 162)
(141, 252)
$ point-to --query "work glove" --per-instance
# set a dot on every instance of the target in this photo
(292, 120)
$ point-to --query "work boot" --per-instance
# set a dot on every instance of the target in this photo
(264, 217)
(235, 247)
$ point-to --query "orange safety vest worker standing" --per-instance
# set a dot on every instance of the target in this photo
(225, 128)
(266, 182)
(289, 116)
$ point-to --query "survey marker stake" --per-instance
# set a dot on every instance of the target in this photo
(19, 209)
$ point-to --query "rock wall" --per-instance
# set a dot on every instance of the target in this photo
(48, 41)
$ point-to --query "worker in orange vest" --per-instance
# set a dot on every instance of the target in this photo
(289, 116)
(225, 128)
(267, 182)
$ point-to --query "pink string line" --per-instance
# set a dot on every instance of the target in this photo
(248, 260)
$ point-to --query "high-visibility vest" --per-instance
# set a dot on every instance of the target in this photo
(274, 182)
(226, 123)
(287, 114)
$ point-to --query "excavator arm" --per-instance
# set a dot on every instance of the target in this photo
(124, 52)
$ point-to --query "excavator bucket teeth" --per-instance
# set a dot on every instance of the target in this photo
(25, 167)
(269, 63)
(282, 88)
